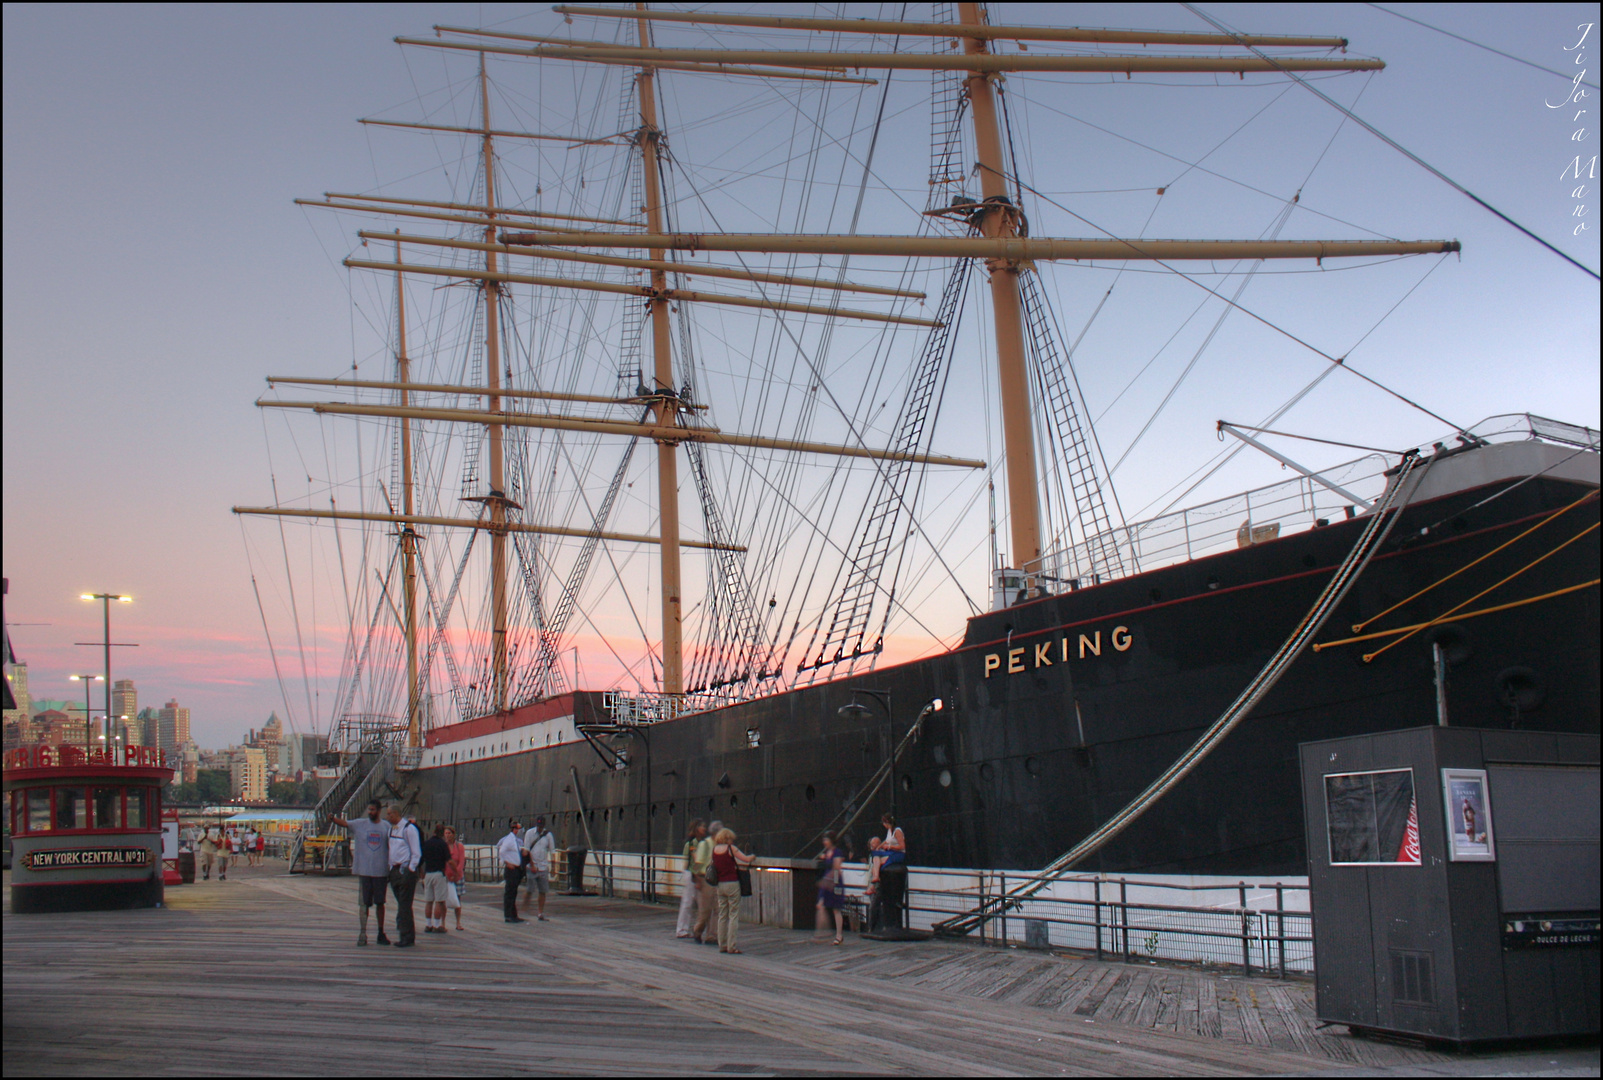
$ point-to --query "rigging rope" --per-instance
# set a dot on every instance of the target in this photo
(1385, 516)
(1387, 139)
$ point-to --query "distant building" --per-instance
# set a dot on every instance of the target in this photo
(303, 751)
(172, 728)
(247, 774)
(190, 764)
(125, 710)
(148, 720)
(18, 678)
(57, 727)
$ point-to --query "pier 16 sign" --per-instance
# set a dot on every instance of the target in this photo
(76, 858)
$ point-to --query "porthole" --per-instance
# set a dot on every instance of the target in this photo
(987, 773)
(1156, 594)
(1032, 766)
(712, 804)
(653, 809)
(907, 782)
(671, 807)
(810, 793)
(945, 779)
(734, 800)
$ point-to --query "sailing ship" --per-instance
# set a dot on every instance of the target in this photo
(503, 501)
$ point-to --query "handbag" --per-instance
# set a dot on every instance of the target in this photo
(710, 875)
(744, 876)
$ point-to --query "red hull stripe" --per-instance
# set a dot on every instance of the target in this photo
(549, 709)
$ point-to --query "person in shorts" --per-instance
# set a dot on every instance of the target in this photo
(539, 843)
(370, 865)
(210, 847)
(455, 873)
(436, 856)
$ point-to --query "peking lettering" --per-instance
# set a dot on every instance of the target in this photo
(1068, 646)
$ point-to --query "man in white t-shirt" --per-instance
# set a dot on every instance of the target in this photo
(539, 844)
(510, 850)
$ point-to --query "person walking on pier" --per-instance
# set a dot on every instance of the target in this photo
(436, 856)
(455, 873)
(726, 862)
(687, 892)
(706, 896)
(830, 898)
(537, 876)
(370, 865)
(510, 849)
(210, 847)
(405, 853)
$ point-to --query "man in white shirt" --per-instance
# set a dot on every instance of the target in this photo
(406, 850)
(510, 849)
(539, 844)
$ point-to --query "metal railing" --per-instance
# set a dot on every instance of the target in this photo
(1262, 928)
(1275, 510)
(1237, 924)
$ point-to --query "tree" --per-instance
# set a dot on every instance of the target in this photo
(311, 793)
(284, 792)
(212, 785)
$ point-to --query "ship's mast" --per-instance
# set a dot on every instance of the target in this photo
(1000, 218)
(403, 373)
(665, 402)
(496, 498)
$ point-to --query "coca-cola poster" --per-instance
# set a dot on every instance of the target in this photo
(1469, 815)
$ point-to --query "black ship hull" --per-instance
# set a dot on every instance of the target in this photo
(1060, 710)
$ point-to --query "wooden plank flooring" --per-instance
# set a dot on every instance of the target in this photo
(261, 975)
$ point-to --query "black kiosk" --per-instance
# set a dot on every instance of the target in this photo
(1454, 881)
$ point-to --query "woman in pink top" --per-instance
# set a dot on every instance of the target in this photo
(455, 873)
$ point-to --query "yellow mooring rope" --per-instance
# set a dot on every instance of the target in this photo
(1466, 615)
(1358, 628)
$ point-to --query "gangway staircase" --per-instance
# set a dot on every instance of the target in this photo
(315, 847)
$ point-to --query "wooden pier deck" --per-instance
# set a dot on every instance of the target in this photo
(261, 974)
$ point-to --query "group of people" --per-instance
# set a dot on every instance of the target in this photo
(714, 881)
(388, 851)
(216, 846)
(525, 861)
(389, 854)
(886, 887)
(713, 886)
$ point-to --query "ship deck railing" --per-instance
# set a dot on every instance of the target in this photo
(1269, 512)
(1258, 927)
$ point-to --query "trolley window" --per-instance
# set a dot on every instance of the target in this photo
(39, 809)
(139, 808)
(72, 808)
(108, 808)
(1370, 818)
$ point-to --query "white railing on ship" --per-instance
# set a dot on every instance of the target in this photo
(650, 708)
(1273, 510)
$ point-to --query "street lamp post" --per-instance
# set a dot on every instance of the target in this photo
(854, 709)
(105, 640)
(86, 680)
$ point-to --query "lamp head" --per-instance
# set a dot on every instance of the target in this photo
(86, 596)
(851, 710)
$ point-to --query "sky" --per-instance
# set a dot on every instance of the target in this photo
(155, 271)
